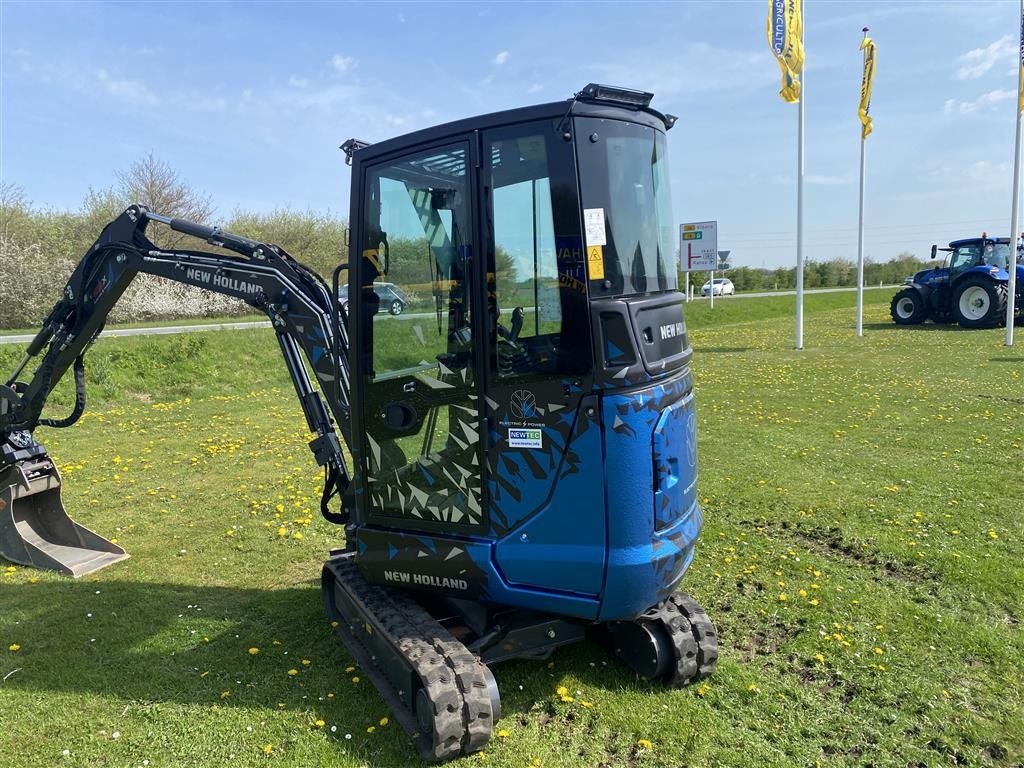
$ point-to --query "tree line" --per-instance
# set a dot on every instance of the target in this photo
(40, 247)
(834, 273)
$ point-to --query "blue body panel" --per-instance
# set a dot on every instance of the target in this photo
(614, 523)
(653, 515)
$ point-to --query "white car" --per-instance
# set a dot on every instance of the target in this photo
(723, 287)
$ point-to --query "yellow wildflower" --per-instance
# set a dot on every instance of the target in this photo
(13, 647)
(293, 672)
(645, 744)
(253, 651)
(268, 748)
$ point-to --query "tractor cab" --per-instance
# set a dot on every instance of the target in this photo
(973, 252)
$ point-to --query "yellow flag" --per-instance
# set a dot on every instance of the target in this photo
(867, 81)
(785, 38)
(1020, 95)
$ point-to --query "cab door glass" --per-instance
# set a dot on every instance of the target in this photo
(964, 257)
(420, 421)
(535, 259)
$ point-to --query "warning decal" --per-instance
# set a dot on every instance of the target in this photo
(595, 262)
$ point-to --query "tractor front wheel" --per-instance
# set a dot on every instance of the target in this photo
(979, 303)
(908, 307)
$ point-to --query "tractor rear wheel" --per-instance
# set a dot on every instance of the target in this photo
(908, 307)
(979, 303)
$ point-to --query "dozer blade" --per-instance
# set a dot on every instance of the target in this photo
(36, 531)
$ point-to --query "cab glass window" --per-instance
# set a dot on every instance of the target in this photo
(537, 291)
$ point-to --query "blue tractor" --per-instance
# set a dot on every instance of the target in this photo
(970, 288)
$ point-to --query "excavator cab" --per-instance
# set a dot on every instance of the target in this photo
(521, 429)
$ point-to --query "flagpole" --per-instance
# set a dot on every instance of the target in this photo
(1011, 298)
(860, 230)
(800, 205)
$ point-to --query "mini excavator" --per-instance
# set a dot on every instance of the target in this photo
(522, 435)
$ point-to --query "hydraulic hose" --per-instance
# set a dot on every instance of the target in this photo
(79, 409)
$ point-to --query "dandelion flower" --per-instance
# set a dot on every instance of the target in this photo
(306, 662)
(268, 748)
(503, 733)
(703, 689)
(371, 729)
(293, 672)
(13, 647)
(355, 680)
(384, 721)
(820, 658)
(253, 651)
(645, 744)
(562, 690)
(319, 723)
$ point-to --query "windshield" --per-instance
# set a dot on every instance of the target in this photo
(997, 254)
(627, 206)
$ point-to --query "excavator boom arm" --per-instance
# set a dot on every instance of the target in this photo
(306, 317)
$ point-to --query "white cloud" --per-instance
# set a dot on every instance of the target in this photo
(977, 62)
(983, 102)
(985, 170)
(502, 57)
(342, 63)
(134, 91)
(297, 82)
(535, 88)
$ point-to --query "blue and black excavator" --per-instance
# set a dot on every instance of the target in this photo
(521, 437)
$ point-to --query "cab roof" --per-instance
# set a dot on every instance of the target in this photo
(580, 104)
(974, 240)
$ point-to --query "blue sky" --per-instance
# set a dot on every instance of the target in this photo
(249, 102)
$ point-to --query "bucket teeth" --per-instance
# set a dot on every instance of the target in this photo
(36, 531)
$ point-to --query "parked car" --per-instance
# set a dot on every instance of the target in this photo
(391, 297)
(723, 287)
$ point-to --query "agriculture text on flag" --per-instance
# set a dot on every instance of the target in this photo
(785, 38)
(868, 46)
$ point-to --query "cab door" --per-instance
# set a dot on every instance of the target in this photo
(545, 477)
(419, 422)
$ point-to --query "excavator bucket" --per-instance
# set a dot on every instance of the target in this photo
(36, 531)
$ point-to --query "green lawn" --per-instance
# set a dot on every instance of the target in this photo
(863, 557)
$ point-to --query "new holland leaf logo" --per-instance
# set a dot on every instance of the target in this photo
(523, 404)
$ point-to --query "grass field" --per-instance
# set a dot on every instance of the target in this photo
(863, 557)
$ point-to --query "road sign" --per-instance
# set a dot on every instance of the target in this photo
(698, 246)
(723, 260)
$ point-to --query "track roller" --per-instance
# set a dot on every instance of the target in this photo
(675, 641)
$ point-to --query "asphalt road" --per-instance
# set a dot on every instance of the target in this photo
(170, 329)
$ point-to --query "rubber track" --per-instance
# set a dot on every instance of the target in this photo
(452, 676)
(693, 636)
(703, 631)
